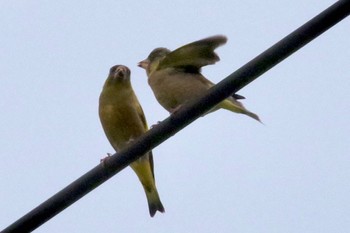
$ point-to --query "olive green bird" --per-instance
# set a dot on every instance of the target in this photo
(123, 120)
(175, 77)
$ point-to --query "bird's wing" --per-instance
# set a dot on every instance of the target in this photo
(194, 55)
(144, 122)
(141, 115)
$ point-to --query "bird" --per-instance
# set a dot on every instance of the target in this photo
(175, 76)
(123, 120)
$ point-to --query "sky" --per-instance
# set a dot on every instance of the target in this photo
(223, 173)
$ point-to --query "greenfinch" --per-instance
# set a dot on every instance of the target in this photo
(175, 77)
(123, 120)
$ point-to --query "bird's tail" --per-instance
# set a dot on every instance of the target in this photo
(154, 203)
(235, 106)
(144, 172)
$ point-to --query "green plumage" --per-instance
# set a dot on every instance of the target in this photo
(175, 77)
(123, 120)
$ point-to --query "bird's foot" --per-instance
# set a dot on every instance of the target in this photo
(130, 140)
(104, 160)
(152, 126)
(174, 110)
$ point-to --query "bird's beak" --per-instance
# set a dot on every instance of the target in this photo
(120, 70)
(143, 64)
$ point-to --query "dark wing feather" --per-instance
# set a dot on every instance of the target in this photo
(143, 119)
(194, 55)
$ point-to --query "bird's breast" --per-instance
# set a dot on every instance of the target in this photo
(121, 124)
(175, 88)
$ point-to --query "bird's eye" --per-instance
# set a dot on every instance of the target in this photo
(112, 69)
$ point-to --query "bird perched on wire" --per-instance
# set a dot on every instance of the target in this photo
(123, 120)
(175, 76)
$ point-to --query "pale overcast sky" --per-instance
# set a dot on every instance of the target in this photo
(223, 173)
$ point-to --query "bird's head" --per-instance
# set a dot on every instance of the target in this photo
(119, 73)
(153, 58)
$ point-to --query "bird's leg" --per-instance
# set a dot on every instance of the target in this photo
(103, 160)
(171, 111)
(155, 124)
(130, 140)
(174, 110)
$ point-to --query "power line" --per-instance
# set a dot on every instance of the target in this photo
(183, 117)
